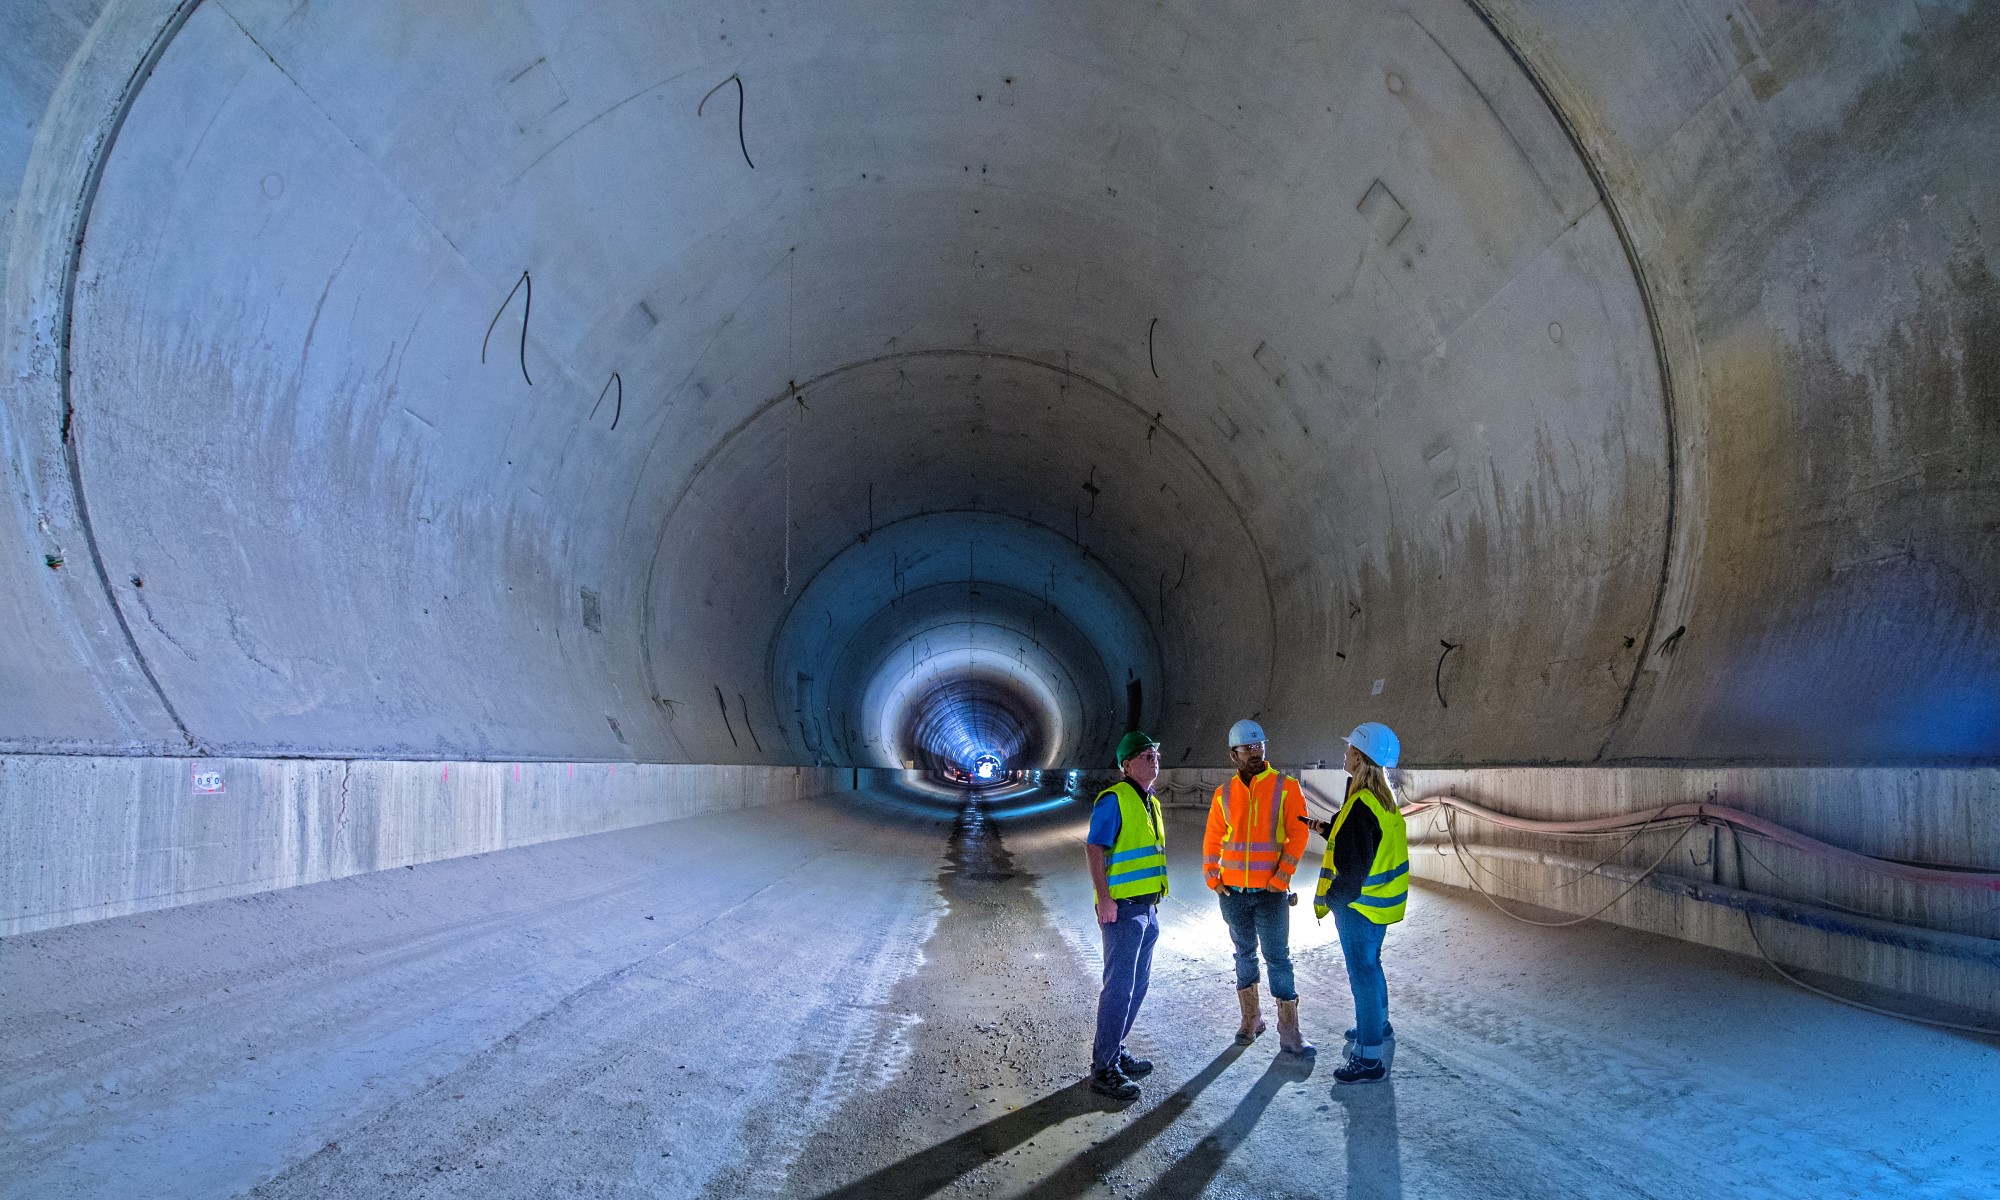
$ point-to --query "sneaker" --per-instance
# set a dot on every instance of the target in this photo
(1361, 1070)
(1112, 1082)
(1134, 1068)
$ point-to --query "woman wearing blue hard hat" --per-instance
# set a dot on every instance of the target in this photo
(1364, 880)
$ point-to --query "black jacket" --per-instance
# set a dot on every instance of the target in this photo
(1353, 856)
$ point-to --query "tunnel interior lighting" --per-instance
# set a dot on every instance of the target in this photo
(951, 635)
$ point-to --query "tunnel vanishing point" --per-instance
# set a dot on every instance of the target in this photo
(457, 436)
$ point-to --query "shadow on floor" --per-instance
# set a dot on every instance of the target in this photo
(1199, 1166)
(1374, 1157)
(927, 1171)
(1081, 1173)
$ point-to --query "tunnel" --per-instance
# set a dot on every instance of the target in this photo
(577, 571)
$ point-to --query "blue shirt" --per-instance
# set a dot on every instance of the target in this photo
(1105, 819)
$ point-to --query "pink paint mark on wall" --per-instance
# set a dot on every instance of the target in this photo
(614, 768)
(572, 770)
(447, 775)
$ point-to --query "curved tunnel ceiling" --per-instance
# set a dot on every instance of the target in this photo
(452, 386)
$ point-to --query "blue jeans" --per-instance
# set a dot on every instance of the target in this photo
(1361, 944)
(1255, 916)
(1128, 966)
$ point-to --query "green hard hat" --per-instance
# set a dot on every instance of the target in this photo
(1132, 743)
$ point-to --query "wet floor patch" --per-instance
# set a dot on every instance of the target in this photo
(994, 1100)
(992, 1097)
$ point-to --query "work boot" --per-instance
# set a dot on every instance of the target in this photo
(1111, 1082)
(1361, 1070)
(1134, 1068)
(1253, 1019)
(1290, 1040)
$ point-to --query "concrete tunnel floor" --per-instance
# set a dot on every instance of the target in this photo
(864, 998)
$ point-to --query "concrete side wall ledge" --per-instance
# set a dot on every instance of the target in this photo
(1938, 943)
(86, 838)
(1969, 947)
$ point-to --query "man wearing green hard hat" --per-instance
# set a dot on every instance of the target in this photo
(1127, 849)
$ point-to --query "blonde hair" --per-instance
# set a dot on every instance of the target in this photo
(1374, 779)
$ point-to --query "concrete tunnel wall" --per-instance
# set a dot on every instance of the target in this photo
(1634, 353)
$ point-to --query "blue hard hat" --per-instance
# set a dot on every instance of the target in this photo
(1378, 742)
(1245, 732)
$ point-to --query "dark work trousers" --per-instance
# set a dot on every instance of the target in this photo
(1128, 965)
(1259, 915)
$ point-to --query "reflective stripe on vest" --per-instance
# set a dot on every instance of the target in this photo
(1386, 894)
(1137, 864)
(1245, 863)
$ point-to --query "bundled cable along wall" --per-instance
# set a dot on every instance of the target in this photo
(1912, 905)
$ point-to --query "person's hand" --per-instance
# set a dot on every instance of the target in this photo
(1320, 827)
(1107, 911)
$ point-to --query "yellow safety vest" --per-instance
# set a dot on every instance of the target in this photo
(1387, 892)
(1137, 864)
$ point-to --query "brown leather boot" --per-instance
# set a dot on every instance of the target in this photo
(1290, 1040)
(1253, 1019)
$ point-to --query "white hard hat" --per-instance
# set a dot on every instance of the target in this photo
(1378, 742)
(1244, 732)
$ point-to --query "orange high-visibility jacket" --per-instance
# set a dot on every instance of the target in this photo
(1253, 842)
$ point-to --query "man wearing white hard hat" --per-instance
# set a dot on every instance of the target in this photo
(1364, 881)
(1254, 840)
